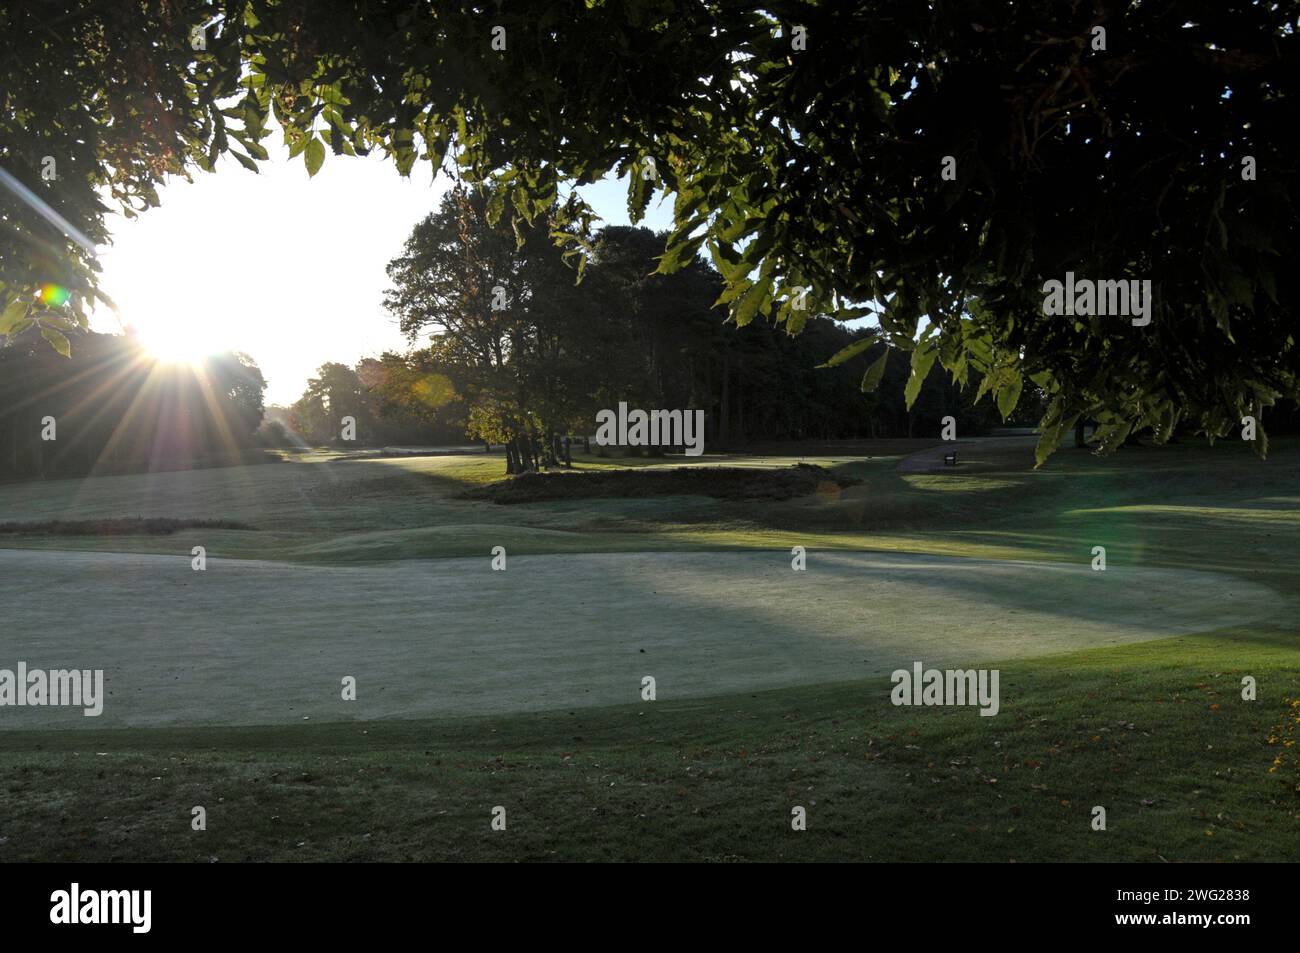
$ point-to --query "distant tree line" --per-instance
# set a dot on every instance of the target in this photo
(111, 407)
(395, 399)
(531, 356)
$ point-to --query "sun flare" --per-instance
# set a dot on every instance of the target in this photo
(174, 343)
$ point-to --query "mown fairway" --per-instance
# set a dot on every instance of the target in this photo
(785, 693)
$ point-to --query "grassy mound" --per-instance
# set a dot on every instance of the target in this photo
(723, 483)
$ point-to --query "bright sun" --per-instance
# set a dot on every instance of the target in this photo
(172, 342)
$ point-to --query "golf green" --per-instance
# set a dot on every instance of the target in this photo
(252, 642)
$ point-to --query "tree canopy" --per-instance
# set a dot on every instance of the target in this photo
(931, 164)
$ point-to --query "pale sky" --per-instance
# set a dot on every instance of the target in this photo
(286, 268)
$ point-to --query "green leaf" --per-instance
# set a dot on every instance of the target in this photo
(296, 142)
(251, 146)
(733, 291)
(923, 356)
(853, 314)
(726, 261)
(794, 319)
(496, 206)
(58, 340)
(1050, 430)
(853, 350)
(1049, 439)
(1009, 394)
(1111, 433)
(13, 314)
(314, 156)
(871, 379)
(639, 190)
(519, 198)
(748, 306)
(679, 255)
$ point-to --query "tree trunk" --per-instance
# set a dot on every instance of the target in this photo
(1078, 432)
(724, 410)
(740, 399)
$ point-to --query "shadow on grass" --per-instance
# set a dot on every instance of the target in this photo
(133, 526)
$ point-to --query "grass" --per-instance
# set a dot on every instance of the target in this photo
(1160, 741)
(447, 638)
(1156, 732)
(1147, 505)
